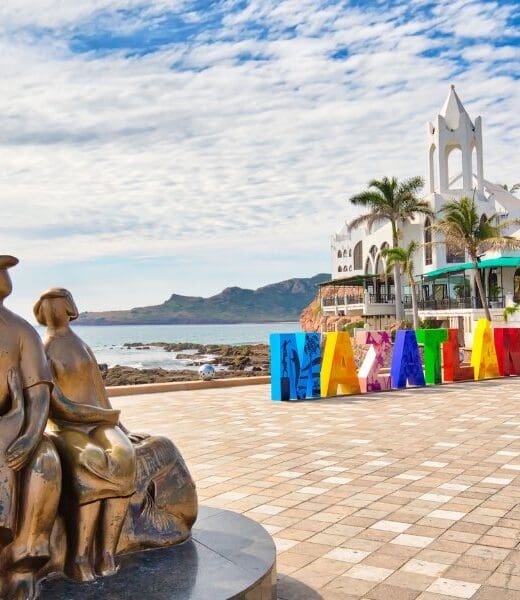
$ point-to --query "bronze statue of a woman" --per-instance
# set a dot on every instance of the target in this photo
(121, 492)
(98, 459)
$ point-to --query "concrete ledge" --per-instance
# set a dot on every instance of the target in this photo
(183, 386)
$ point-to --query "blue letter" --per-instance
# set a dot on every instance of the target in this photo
(295, 366)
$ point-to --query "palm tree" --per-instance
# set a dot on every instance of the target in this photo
(514, 188)
(404, 258)
(389, 200)
(464, 229)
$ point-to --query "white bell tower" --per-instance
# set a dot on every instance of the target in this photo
(450, 131)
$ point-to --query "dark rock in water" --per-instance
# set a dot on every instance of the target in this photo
(235, 361)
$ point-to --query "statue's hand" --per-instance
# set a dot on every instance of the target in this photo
(136, 438)
(19, 452)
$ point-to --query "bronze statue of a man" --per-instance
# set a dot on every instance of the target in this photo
(30, 471)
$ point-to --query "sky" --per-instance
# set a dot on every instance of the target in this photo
(151, 147)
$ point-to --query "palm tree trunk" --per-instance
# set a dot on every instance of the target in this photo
(481, 291)
(415, 308)
(399, 310)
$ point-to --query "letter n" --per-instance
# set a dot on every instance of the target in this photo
(338, 370)
(507, 346)
(406, 361)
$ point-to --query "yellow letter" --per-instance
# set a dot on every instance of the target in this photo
(338, 368)
(483, 356)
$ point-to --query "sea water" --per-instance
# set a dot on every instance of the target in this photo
(108, 341)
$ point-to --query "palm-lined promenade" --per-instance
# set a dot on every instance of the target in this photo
(398, 496)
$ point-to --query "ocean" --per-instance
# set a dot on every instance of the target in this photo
(107, 341)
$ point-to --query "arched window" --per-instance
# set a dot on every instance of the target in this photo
(373, 252)
(427, 237)
(339, 269)
(339, 254)
(516, 286)
(455, 168)
(358, 256)
(368, 266)
(380, 269)
(474, 166)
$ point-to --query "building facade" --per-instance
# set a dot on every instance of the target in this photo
(360, 286)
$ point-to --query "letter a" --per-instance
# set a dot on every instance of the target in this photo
(406, 361)
(483, 356)
(338, 369)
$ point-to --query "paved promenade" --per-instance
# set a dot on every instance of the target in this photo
(396, 496)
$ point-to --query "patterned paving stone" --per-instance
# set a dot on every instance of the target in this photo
(360, 502)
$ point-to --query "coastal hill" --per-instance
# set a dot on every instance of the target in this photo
(283, 301)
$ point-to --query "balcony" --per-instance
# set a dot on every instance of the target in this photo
(363, 304)
(455, 303)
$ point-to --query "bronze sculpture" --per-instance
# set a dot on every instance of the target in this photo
(119, 491)
(31, 471)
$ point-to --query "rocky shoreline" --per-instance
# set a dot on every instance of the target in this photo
(229, 361)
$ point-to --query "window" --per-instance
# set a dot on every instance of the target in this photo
(379, 266)
(454, 255)
(427, 238)
(516, 286)
(455, 168)
(339, 254)
(358, 256)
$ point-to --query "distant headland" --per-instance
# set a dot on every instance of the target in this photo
(277, 302)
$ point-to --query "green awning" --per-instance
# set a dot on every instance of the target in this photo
(353, 280)
(490, 263)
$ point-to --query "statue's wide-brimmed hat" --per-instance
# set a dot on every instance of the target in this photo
(7, 261)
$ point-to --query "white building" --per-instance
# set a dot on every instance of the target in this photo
(455, 168)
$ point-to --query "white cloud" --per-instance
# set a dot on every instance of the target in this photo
(128, 157)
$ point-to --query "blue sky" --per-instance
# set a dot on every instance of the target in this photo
(157, 146)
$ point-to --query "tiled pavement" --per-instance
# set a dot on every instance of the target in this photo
(396, 496)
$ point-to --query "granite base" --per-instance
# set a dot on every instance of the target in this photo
(228, 557)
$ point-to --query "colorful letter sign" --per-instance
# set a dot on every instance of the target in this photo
(483, 356)
(380, 348)
(507, 346)
(295, 366)
(296, 359)
(338, 370)
(406, 360)
(432, 340)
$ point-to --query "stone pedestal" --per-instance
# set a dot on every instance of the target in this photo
(228, 557)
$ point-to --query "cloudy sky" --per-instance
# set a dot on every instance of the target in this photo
(158, 146)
